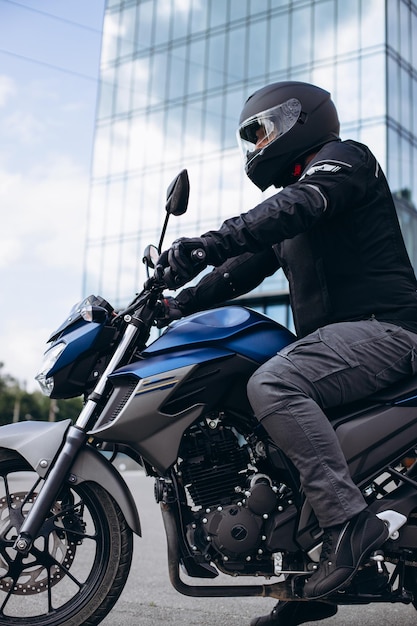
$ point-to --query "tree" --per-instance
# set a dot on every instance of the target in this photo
(16, 404)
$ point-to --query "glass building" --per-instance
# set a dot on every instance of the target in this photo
(174, 77)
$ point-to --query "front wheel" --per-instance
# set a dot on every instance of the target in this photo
(78, 565)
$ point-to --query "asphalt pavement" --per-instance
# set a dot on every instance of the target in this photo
(149, 599)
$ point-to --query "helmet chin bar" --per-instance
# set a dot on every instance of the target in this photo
(267, 173)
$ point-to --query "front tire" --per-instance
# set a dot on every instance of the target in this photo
(78, 565)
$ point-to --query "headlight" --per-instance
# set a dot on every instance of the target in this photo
(49, 359)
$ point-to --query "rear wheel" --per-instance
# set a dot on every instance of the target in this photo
(78, 565)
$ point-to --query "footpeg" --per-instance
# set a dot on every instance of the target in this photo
(394, 521)
(378, 558)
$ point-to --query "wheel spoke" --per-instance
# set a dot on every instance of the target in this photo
(78, 564)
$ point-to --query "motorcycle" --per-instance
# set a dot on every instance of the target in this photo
(230, 500)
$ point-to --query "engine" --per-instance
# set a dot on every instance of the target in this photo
(240, 516)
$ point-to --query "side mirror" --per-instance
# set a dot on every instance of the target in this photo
(150, 256)
(177, 194)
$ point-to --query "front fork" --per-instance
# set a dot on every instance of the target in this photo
(74, 441)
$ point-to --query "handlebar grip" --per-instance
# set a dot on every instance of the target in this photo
(198, 255)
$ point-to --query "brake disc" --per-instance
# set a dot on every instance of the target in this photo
(35, 577)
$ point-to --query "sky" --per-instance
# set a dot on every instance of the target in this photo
(49, 68)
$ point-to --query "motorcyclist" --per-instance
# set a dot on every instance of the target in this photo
(334, 231)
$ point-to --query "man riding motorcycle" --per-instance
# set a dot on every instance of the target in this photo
(334, 231)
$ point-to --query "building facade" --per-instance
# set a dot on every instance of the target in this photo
(174, 77)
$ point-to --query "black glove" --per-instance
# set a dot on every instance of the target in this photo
(184, 259)
(169, 311)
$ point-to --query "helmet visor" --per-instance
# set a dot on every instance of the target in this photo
(260, 130)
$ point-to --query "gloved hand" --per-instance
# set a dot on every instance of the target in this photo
(169, 311)
(184, 259)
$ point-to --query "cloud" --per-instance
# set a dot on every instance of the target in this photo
(41, 254)
(7, 89)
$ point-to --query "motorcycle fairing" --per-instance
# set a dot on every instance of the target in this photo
(39, 442)
(239, 330)
(155, 400)
(78, 340)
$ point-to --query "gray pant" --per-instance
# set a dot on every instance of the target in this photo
(334, 365)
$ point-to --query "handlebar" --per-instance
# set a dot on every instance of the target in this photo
(198, 255)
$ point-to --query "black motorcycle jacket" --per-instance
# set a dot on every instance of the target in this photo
(336, 235)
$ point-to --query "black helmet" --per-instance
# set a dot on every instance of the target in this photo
(280, 125)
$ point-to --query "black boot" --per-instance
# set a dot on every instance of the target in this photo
(344, 549)
(293, 613)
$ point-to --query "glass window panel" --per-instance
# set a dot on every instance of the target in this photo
(173, 135)
(114, 216)
(372, 23)
(141, 78)
(192, 131)
(102, 148)
(162, 20)
(414, 40)
(134, 216)
(109, 270)
(92, 279)
(324, 30)
(127, 284)
(393, 90)
(107, 90)
(199, 16)
(405, 103)
(347, 95)
(180, 18)
(127, 30)
(258, 6)
(405, 23)
(405, 164)
(177, 72)
(373, 86)
(414, 108)
(216, 61)
(324, 77)
(218, 13)
(158, 78)
(275, 4)
(96, 211)
(119, 143)
(232, 170)
(301, 36)
(196, 66)
(238, 9)
(279, 45)
(137, 147)
(236, 61)
(374, 136)
(110, 38)
(257, 49)
(413, 161)
(153, 138)
(347, 26)
(151, 203)
(393, 11)
(393, 161)
(124, 88)
(234, 101)
(145, 19)
(213, 131)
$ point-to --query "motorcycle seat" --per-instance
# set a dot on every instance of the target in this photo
(401, 393)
